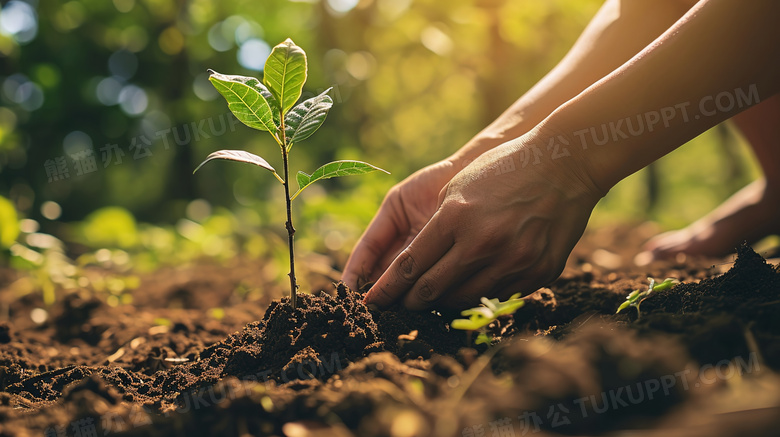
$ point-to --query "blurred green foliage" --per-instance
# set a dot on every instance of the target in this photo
(9, 223)
(116, 94)
(50, 268)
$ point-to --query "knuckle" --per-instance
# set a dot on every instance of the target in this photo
(384, 295)
(393, 192)
(459, 215)
(443, 194)
(372, 247)
(392, 199)
(491, 238)
(455, 205)
(406, 266)
(426, 291)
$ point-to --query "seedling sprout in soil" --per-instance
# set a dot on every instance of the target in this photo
(270, 106)
(637, 296)
(481, 316)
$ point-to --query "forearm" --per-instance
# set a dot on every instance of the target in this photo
(619, 30)
(721, 51)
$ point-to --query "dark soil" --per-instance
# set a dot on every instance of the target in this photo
(700, 358)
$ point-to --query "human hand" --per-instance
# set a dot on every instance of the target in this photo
(406, 209)
(492, 235)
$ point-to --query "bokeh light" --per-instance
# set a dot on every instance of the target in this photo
(69, 16)
(75, 142)
(51, 210)
(19, 20)
(436, 40)
(171, 41)
(222, 36)
(133, 100)
(20, 90)
(123, 64)
(108, 90)
(253, 53)
(341, 6)
(203, 88)
(124, 5)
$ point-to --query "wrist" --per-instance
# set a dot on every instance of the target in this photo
(556, 156)
(484, 141)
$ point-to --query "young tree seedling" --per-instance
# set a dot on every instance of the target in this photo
(638, 296)
(481, 316)
(270, 106)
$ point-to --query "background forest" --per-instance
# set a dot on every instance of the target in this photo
(105, 109)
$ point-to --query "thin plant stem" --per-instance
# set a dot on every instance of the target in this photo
(289, 223)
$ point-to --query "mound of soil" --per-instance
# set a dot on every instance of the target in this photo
(723, 317)
(563, 364)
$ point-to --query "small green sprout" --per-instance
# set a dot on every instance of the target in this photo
(270, 106)
(481, 316)
(637, 296)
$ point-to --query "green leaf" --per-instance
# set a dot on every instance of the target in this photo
(245, 99)
(489, 303)
(479, 311)
(482, 338)
(634, 295)
(9, 223)
(490, 309)
(306, 117)
(240, 156)
(667, 284)
(470, 324)
(333, 170)
(509, 307)
(637, 296)
(303, 180)
(272, 102)
(285, 73)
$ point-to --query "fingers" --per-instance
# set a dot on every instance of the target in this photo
(489, 282)
(524, 272)
(433, 270)
(372, 245)
(665, 245)
(447, 274)
(390, 254)
(425, 251)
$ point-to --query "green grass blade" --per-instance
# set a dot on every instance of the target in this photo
(285, 73)
(244, 96)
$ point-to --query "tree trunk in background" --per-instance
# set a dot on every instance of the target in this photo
(494, 86)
